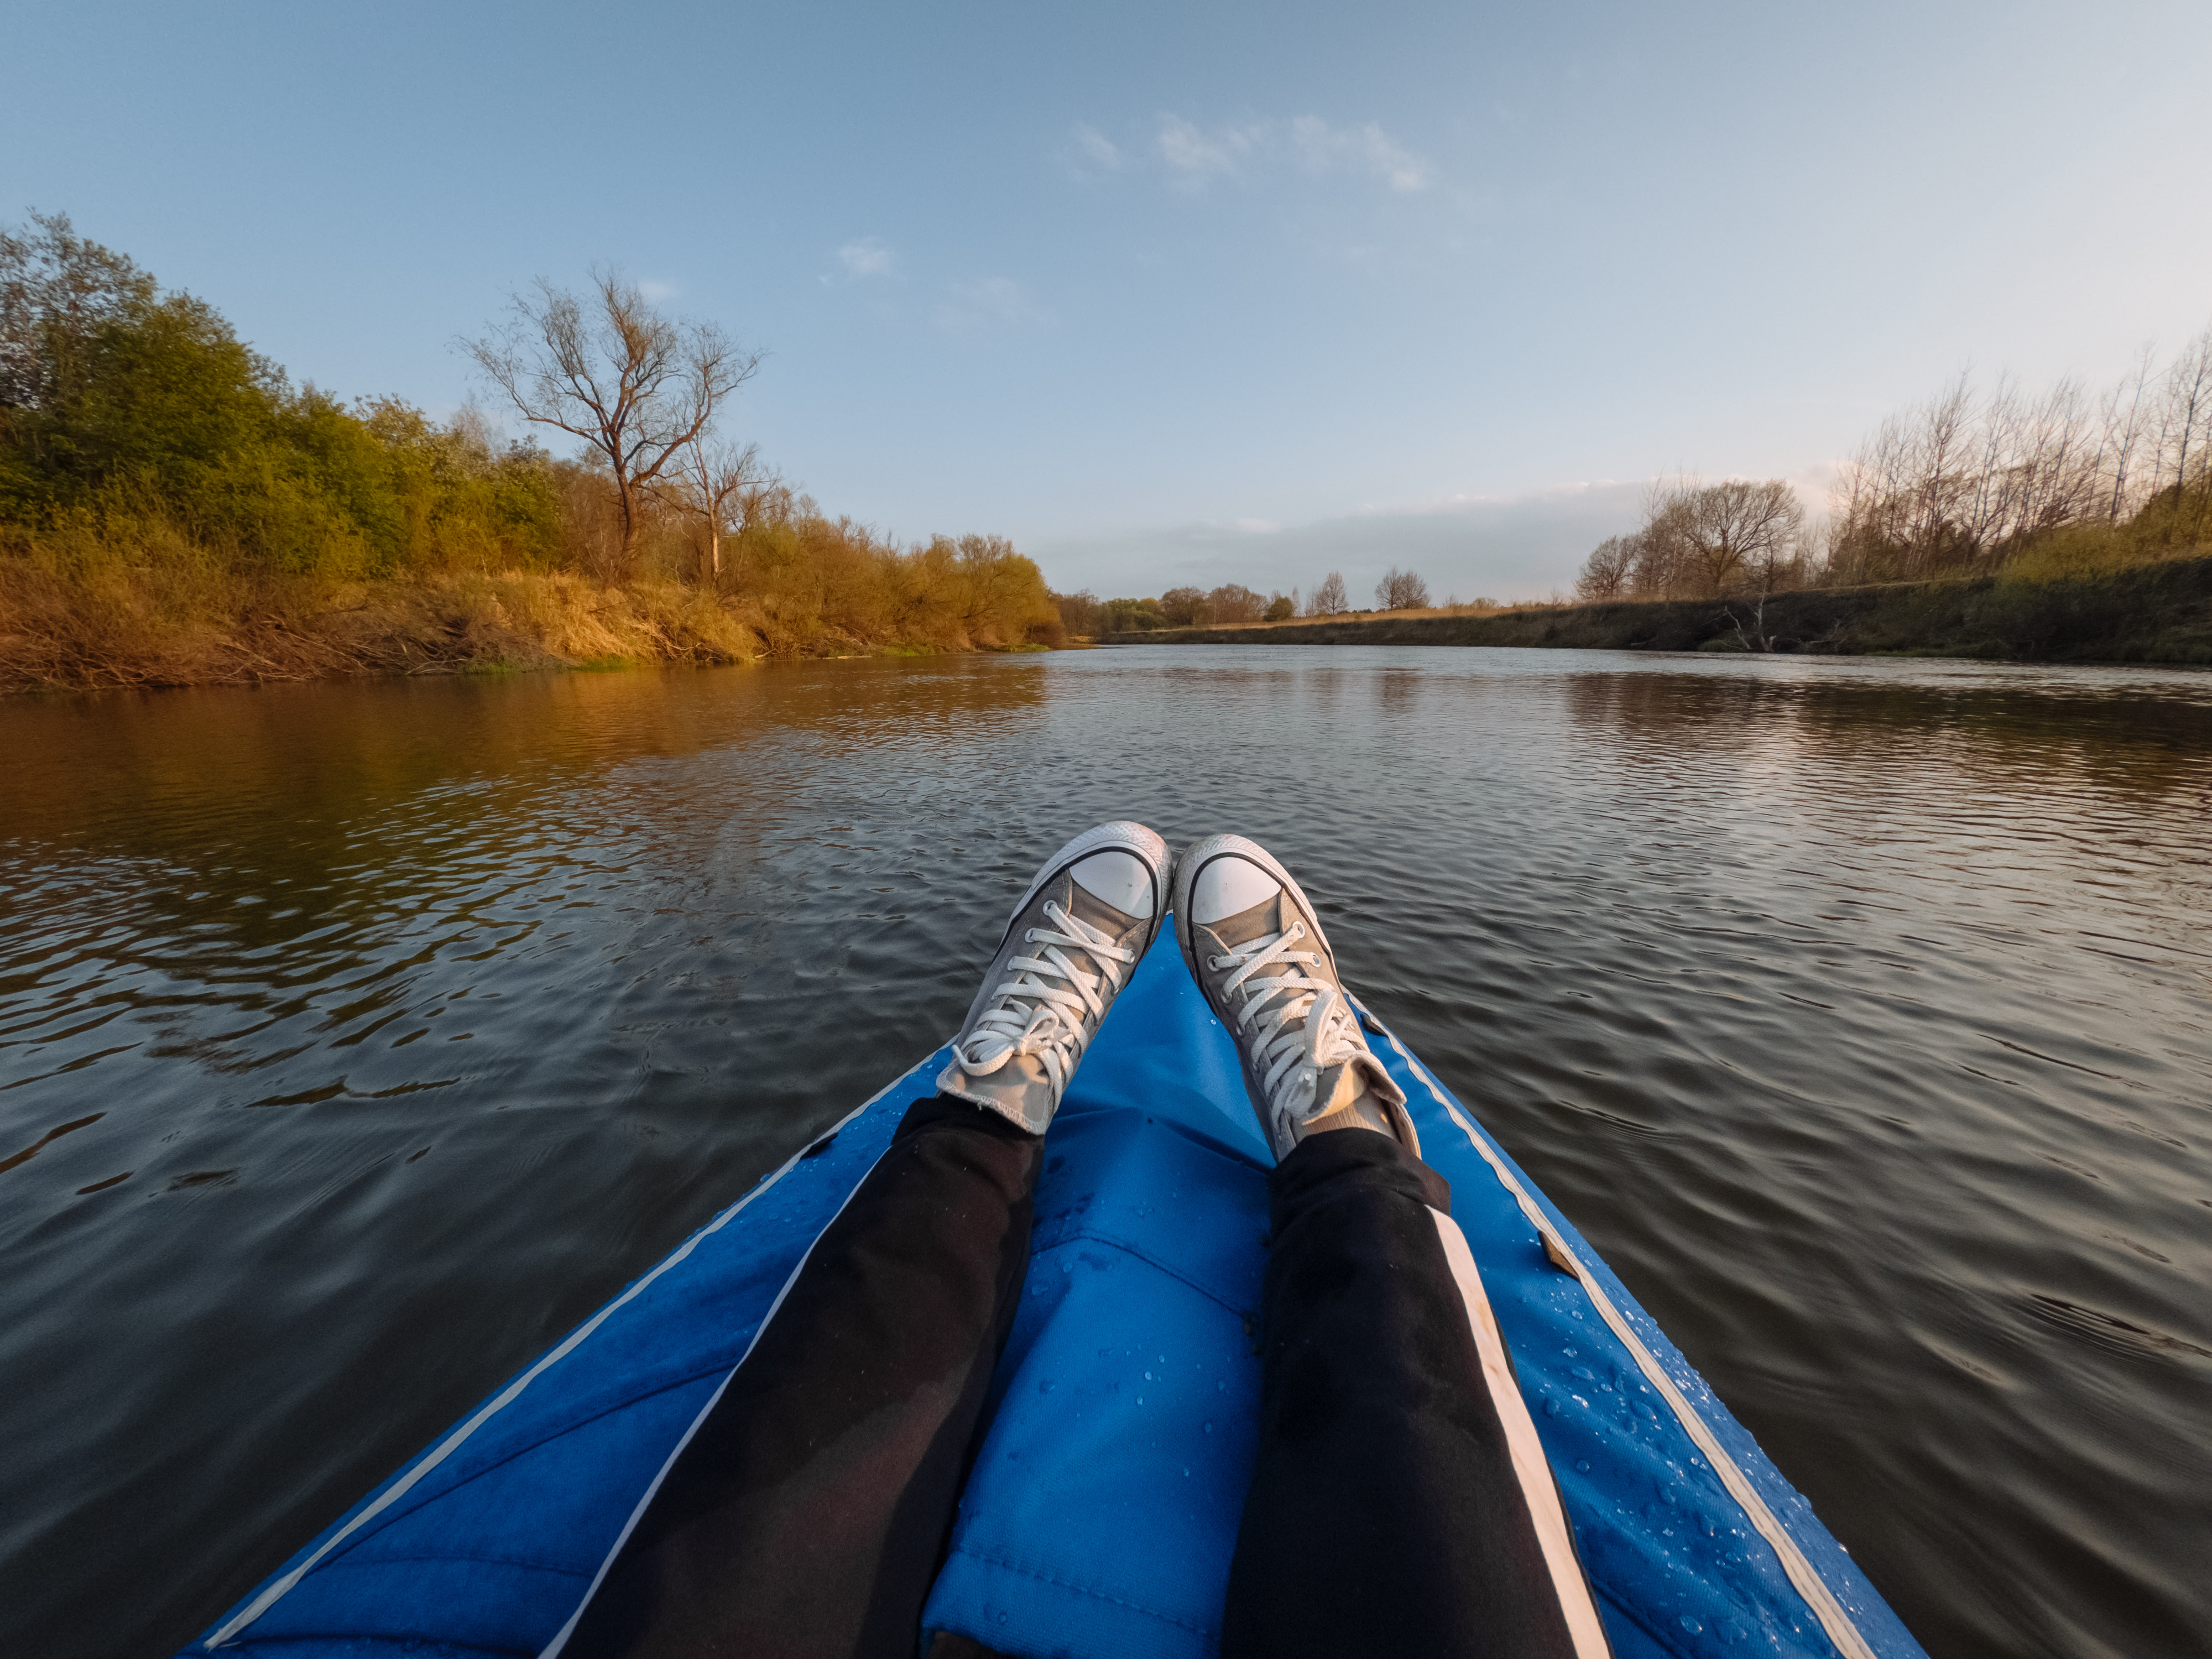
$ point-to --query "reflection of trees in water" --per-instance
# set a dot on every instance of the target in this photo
(221, 846)
(182, 775)
(2127, 741)
(1398, 690)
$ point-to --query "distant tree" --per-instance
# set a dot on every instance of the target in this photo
(1281, 607)
(1133, 616)
(639, 388)
(1233, 603)
(1605, 574)
(1183, 607)
(1402, 589)
(1738, 536)
(1329, 599)
(1081, 613)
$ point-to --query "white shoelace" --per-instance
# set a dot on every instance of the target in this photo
(1291, 1061)
(1052, 1029)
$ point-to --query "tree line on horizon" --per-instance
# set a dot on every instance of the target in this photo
(149, 454)
(1968, 484)
(1085, 614)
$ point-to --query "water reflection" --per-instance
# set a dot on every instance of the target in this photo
(356, 1040)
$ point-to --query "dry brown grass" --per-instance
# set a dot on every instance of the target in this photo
(120, 598)
(191, 622)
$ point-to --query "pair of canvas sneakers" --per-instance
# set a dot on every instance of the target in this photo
(1255, 946)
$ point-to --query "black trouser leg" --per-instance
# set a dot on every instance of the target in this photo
(1386, 1514)
(807, 1516)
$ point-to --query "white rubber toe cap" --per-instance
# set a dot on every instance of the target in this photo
(1228, 887)
(1119, 879)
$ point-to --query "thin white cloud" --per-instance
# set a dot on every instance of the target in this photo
(657, 291)
(1257, 527)
(1195, 156)
(989, 303)
(1363, 148)
(1096, 149)
(867, 256)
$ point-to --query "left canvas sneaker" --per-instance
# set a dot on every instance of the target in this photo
(1075, 939)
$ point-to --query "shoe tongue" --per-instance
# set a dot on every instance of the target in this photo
(1339, 1086)
(1262, 919)
(1086, 906)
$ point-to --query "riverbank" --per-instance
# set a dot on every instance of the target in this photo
(2157, 613)
(193, 625)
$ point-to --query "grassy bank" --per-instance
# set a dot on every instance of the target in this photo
(2157, 613)
(214, 624)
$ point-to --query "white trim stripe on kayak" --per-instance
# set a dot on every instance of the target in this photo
(1530, 1466)
(1803, 1575)
(452, 1442)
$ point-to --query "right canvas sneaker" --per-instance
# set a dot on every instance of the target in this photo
(1256, 949)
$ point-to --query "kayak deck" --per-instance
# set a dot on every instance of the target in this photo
(1101, 1509)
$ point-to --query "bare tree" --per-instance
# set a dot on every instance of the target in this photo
(708, 480)
(1402, 589)
(2188, 411)
(609, 368)
(1329, 598)
(1605, 574)
(2123, 432)
(1741, 533)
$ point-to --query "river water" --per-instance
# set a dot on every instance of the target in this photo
(357, 1040)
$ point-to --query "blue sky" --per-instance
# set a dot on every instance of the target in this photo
(1179, 293)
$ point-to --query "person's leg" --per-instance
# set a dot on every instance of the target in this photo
(806, 1513)
(1399, 1502)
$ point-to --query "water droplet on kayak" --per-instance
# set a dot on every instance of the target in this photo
(1551, 1408)
(1583, 1465)
(1223, 1387)
(1186, 1474)
(1690, 1624)
(1148, 1376)
(1209, 1428)
(1585, 1373)
(1046, 1386)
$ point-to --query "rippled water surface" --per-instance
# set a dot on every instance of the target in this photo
(356, 1041)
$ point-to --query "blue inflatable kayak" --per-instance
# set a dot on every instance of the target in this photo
(1100, 1516)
